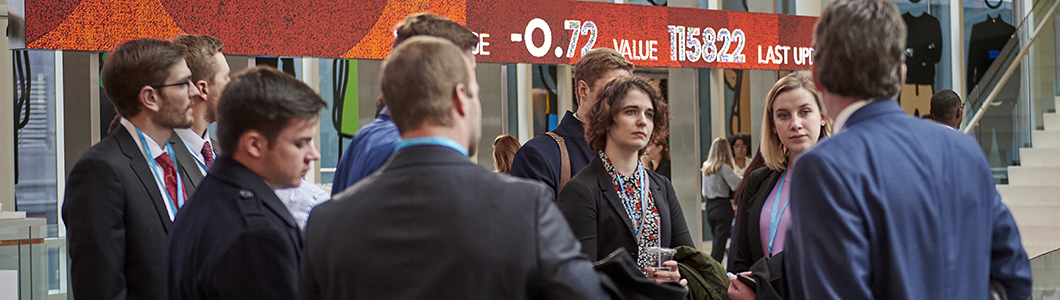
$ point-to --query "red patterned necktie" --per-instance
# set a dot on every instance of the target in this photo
(170, 177)
(207, 154)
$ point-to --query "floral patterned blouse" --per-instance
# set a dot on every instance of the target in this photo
(643, 214)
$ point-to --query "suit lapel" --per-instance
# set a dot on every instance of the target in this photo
(143, 171)
(756, 218)
(188, 165)
(610, 194)
(661, 204)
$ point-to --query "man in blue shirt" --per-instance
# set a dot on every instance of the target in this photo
(875, 214)
(374, 143)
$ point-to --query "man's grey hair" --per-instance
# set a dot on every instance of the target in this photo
(859, 49)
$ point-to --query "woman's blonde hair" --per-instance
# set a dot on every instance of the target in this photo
(773, 151)
(720, 155)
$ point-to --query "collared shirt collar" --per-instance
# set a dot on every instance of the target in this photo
(193, 140)
(155, 149)
(847, 112)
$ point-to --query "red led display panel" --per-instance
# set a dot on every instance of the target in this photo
(510, 31)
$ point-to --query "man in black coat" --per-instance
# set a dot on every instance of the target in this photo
(431, 224)
(122, 194)
(235, 239)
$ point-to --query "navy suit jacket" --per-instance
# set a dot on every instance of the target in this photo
(895, 207)
(539, 158)
(431, 224)
(116, 223)
(233, 240)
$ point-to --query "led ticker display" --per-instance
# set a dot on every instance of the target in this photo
(560, 32)
(509, 31)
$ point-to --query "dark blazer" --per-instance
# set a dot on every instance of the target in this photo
(598, 219)
(189, 167)
(746, 247)
(430, 224)
(895, 207)
(539, 159)
(233, 240)
(116, 223)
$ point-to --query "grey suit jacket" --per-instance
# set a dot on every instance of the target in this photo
(432, 225)
(116, 223)
(189, 167)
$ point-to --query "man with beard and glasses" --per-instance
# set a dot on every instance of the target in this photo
(124, 192)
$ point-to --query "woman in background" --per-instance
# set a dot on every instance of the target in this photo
(658, 156)
(741, 145)
(504, 147)
(793, 122)
(614, 202)
(719, 181)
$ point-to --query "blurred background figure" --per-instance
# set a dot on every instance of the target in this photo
(504, 147)
(947, 108)
(657, 155)
(741, 152)
(719, 181)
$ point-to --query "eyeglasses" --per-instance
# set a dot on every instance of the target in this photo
(187, 85)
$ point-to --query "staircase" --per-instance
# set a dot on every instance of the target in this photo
(1033, 191)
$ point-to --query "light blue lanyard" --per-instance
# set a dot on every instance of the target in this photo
(154, 169)
(628, 203)
(774, 219)
(431, 141)
(196, 157)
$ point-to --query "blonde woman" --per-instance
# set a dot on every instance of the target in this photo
(719, 181)
(793, 121)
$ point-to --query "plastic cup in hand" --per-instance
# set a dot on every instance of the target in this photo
(660, 255)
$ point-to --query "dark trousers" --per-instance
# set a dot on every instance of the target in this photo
(719, 216)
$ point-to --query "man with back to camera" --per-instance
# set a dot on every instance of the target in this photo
(947, 108)
(374, 143)
(873, 218)
(123, 193)
(235, 239)
(210, 72)
(542, 158)
(432, 224)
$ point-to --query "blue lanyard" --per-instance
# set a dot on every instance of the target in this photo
(431, 141)
(196, 157)
(774, 219)
(628, 203)
(154, 169)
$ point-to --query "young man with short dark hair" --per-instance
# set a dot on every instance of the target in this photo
(236, 239)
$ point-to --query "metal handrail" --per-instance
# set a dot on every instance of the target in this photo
(1008, 72)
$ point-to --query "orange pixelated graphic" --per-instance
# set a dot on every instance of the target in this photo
(102, 24)
(378, 42)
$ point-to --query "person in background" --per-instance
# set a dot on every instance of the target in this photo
(658, 156)
(375, 142)
(793, 121)
(947, 108)
(504, 147)
(741, 144)
(235, 239)
(541, 158)
(719, 181)
(892, 207)
(615, 202)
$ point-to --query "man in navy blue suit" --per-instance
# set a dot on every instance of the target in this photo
(235, 239)
(876, 213)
